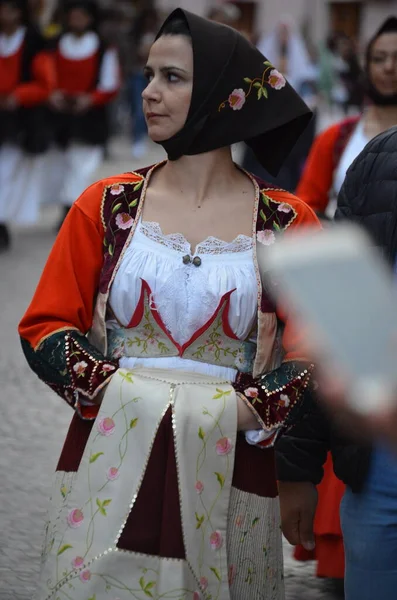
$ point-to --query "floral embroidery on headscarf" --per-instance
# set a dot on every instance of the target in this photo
(238, 97)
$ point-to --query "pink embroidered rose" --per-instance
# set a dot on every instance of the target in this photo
(116, 189)
(106, 426)
(108, 368)
(199, 487)
(216, 540)
(284, 208)
(78, 562)
(112, 473)
(284, 401)
(232, 574)
(203, 583)
(240, 520)
(237, 99)
(251, 392)
(79, 368)
(276, 79)
(124, 221)
(75, 518)
(224, 446)
(266, 237)
(85, 575)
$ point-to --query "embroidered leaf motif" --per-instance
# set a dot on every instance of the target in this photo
(138, 185)
(268, 63)
(258, 85)
(260, 93)
(133, 423)
(263, 216)
(92, 597)
(265, 93)
(221, 393)
(133, 203)
(142, 582)
(276, 226)
(108, 501)
(116, 208)
(265, 199)
(255, 521)
(220, 479)
(105, 242)
(201, 433)
(63, 549)
(95, 457)
(64, 491)
(126, 376)
(247, 80)
(101, 508)
(216, 573)
(110, 249)
(199, 520)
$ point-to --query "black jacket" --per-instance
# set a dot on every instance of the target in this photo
(368, 197)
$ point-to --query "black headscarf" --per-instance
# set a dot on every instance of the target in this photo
(237, 96)
(89, 6)
(22, 5)
(379, 99)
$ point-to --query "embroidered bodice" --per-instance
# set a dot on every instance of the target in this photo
(166, 304)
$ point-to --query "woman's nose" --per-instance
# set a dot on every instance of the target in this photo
(151, 92)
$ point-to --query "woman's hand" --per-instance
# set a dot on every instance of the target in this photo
(246, 419)
(298, 503)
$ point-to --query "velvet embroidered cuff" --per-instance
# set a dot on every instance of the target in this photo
(73, 368)
(275, 398)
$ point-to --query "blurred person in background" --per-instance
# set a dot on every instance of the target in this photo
(335, 149)
(27, 78)
(287, 49)
(88, 79)
(347, 90)
(226, 14)
(188, 370)
(332, 154)
(369, 470)
(143, 34)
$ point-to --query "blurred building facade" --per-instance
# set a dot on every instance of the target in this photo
(358, 19)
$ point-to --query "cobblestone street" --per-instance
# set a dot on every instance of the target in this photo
(34, 423)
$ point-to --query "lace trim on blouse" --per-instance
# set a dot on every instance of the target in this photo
(178, 242)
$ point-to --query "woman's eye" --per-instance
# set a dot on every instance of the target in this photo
(148, 77)
(172, 78)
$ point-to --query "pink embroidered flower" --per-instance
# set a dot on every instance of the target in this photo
(224, 446)
(78, 562)
(85, 575)
(210, 348)
(116, 189)
(284, 207)
(75, 518)
(216, 540)
(276, 79)
(251, 392)
(284, 401)
(232, 574)
(237, 99)
(203, 583)
(124, 221)
(118, 352)
(106, 426)
(266, 237)
(80, 368)
(108, 368)
(240, 520)
(112, 473)
(199, 487)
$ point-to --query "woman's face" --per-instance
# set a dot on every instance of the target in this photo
(383, 64)
(167, 97)
(79, 20)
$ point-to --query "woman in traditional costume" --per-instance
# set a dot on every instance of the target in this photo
(181, 370)
(330, 158)
(27, 78)
(88, 79)
(336, 148)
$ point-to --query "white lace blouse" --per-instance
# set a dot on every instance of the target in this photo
(186, 296)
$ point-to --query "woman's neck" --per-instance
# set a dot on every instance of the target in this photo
(201, 175)
(379, 118)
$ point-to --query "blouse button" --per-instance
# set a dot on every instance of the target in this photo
(197, 261)
(186, 259)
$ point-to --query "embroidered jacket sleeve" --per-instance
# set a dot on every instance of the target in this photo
(43, 83)
(53, 330)
(317, 178)
(109, 79)
(278, 397)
